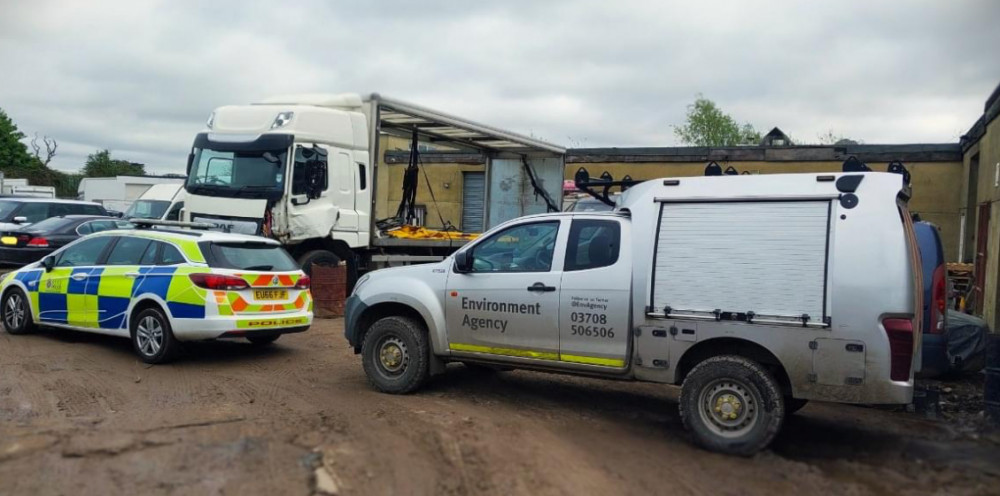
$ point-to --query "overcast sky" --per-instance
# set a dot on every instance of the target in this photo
(141, 77)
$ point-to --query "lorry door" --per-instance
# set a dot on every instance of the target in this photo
(312, 213)
(508, 305)
(594, 294)
(342, 190)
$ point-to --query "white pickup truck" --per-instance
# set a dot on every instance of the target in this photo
(756, 293)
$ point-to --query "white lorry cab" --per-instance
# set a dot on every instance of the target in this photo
(756, 293)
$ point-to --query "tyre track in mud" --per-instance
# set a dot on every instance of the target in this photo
(234, 418)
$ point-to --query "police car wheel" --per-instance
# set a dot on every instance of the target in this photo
(152, 338)
(394, 355)
(732, 405)
(15, 312)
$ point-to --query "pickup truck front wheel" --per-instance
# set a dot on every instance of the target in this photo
(732, 405)
(394, 355)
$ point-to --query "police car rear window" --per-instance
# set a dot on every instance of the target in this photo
(249, 256)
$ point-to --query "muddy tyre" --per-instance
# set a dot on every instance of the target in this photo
(394, 355)
(731, 405)
(152, 338)
(793, 405)
(16, 313)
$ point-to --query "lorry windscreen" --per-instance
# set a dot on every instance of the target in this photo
(239, 169)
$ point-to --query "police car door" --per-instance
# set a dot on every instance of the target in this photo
(63, 296)
(594, 293)
(508, 305)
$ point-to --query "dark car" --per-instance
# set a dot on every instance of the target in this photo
(31, 243)
(18, 212)
(935, 275)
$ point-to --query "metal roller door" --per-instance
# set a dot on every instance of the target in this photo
(473, 201)
(767, 257)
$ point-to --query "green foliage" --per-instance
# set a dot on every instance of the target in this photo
(100, 164)
(17, 162)
(13, 154)
(707, 125)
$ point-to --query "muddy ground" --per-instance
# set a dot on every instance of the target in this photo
(79, 414)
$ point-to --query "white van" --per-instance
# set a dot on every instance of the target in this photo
(757, 293)
(161, 201)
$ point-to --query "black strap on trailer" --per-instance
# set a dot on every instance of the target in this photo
(539, 191)
(583, 182)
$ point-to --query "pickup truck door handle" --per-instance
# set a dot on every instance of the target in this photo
(542, 288)
(79, 276)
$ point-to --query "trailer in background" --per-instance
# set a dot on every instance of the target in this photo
(117, 193)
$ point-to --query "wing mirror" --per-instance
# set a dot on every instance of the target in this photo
(190, 163)
(463, 262)
(20, 219)
(48, 262)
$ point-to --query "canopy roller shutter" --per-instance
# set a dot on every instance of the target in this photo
(765, 257)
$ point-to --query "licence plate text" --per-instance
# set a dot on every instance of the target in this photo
(270, 294)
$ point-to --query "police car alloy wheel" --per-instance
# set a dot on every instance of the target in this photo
(16, 314)
(732, 405)
(152, 338)
(395, 355)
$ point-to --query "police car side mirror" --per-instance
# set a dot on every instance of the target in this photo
(463, 262)
(48, 262)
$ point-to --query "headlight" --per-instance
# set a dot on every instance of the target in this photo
(360, 282)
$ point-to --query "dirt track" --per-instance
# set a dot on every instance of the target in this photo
(79, 414)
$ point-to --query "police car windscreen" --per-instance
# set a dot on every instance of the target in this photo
(251, 256)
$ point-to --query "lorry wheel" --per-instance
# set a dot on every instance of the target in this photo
(732, 405)
(793, 405)
(16, 313)
(395, 355)
(323, 257)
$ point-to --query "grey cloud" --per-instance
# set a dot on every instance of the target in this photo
(140, 78)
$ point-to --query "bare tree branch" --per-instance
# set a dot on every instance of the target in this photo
(50, 149)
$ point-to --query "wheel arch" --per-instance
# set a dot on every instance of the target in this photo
(146, 301)
(750, 350)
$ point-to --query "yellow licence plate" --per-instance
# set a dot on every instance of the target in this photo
(270, 294)
(8, 240)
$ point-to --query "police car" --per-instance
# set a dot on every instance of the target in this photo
(159, 287)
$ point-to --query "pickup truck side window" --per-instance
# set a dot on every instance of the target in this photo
(521, 248)
(592, 244)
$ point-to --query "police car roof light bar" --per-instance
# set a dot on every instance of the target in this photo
(148, 223)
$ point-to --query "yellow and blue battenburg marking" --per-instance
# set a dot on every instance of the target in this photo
(101, 299)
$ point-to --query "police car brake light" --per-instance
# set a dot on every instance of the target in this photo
(219, 282)
(39, 242)
(303, 283)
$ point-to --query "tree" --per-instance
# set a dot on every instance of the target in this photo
(708, 125)
(100, 164)
(13, 153)
(50, 149)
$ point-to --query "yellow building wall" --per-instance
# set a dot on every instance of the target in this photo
(445, 182)
(987, 191)
(937, 186)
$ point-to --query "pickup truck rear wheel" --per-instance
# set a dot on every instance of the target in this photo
(394, 355)
(732, 405)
